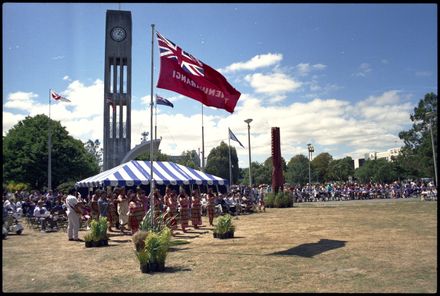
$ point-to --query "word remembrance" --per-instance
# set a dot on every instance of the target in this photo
(182, 73)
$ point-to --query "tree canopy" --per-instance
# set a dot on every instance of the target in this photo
(25, 154)
(416, 157)
(218, 162)
(298, 170)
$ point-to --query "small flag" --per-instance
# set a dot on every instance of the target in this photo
(233, 137)
(110, 101)
(163, 101)
(183, 73)
(58, 97)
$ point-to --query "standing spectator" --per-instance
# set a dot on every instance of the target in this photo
(73, 216)
(211, 206)
(184, 209)
(196, 213)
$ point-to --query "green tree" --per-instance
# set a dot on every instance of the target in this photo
(261, 174)
(95, 149)
(319, 166)
(376, 170)
(25, 154)
(217, 162)
(416, 159)
(157, 156)
(340, 169)
(298, 170)
(189, 159)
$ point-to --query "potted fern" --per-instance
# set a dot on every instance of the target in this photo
(224, 227)
(88, 240)
(102, 225)
(154, 252)
(97, 236)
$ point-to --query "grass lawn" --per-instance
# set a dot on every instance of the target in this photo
(351, 247)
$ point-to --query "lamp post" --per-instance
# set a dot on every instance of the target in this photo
(311, 150)
(249, 144)
(431, 115)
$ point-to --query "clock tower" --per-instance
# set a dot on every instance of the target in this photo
(117, 87)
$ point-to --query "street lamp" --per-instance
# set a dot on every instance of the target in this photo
(311, 150)
(430, 115)
(249, 144)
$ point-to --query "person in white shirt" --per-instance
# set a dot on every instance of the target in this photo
(41, 213)
(73, 216)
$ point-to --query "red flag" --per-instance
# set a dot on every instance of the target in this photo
(58, 97)
(182, 73)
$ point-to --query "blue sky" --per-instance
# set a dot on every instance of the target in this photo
(344, 77)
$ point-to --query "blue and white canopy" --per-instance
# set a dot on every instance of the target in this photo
(137, 172)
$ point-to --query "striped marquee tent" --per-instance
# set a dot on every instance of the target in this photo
(137, 172)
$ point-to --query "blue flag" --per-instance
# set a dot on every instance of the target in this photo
(163, 101)
(233, 137)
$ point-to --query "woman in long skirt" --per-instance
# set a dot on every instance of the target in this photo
(171, 213)
(196, 214)
(211, 206)
(184, 209)
(123, 209)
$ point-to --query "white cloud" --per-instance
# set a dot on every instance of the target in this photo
(363, 70)
(258, 61)
(304, 69)
(20, 100)
(67, 78)
(10, 119)
(369, 125)
(274, 83)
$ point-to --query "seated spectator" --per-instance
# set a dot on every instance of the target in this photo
(41, 213)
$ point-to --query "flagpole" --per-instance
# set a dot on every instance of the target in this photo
(203, 144)
(155, 123)
(151, 132)
(230, 167)
(49, 148)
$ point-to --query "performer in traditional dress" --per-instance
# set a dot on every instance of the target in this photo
(211, 206)
(135, 212)
(122, 209)
(157, 203)
(171, 214)
(112, 211)
(93, 204)
(196, 211)
(184, 209)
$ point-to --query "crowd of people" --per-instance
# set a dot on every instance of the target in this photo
(125, 208)
(356, 191)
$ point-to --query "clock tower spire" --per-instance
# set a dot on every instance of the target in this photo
(117, 87)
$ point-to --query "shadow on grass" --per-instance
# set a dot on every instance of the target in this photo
(172, 269)
(120, 240)
(173, 249)
(312, 249)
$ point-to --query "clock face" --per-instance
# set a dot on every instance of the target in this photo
(118, 34)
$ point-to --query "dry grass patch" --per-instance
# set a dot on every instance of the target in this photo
(345, 247)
